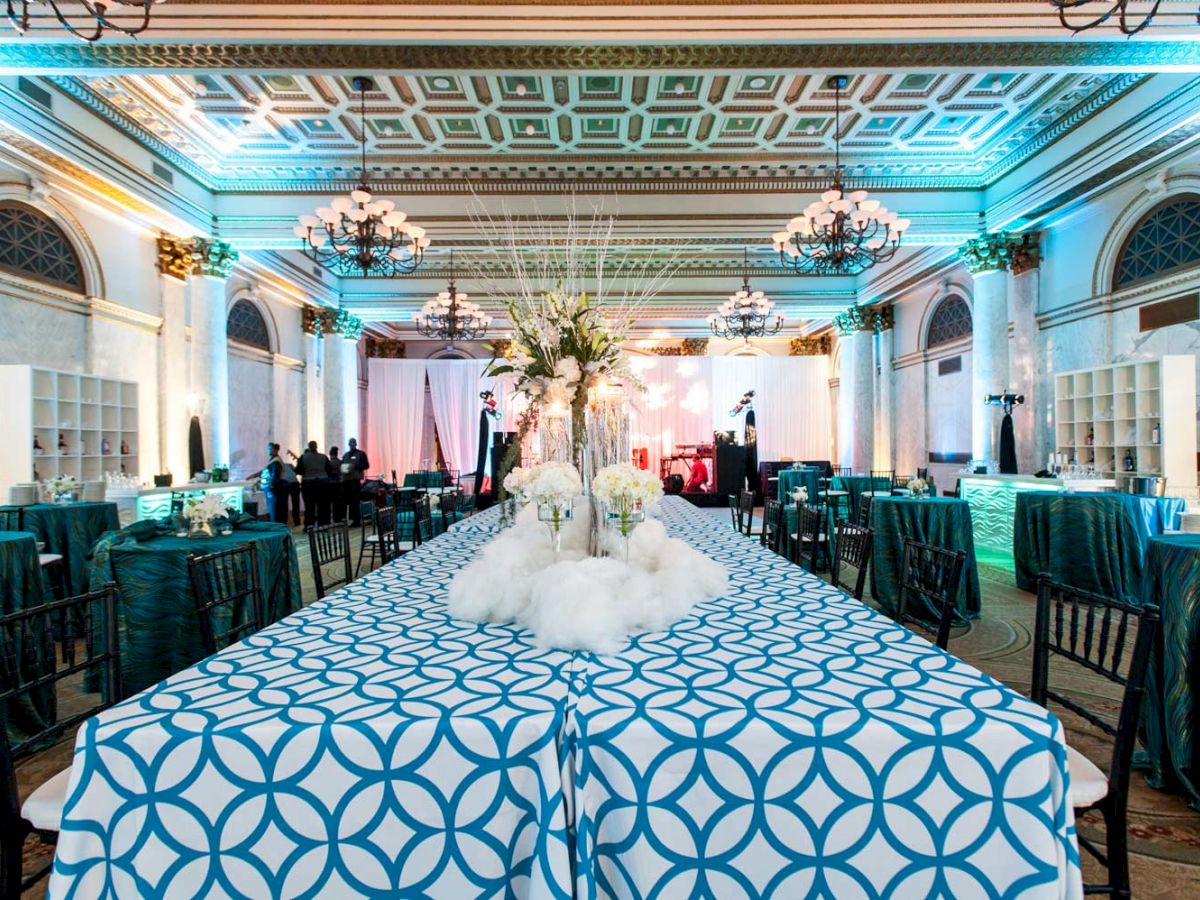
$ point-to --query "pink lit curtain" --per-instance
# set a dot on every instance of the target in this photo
(454, 388)
(676, 407)
(396, 404)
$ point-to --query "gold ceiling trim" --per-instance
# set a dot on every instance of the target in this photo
(422, 59)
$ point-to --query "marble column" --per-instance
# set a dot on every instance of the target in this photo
(350, 398)
(1024, 360)
(987, 259)
(884, 425)
(210, 358)
(845, 403)
(314, 389)
(335, 391)
(175, 263)
(862, 345)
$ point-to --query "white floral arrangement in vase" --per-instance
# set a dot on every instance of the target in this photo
(626, 491)
(201, 512)
(554, 487)
(62, 488)
(919, 487)
(516, 481)
(800, 494)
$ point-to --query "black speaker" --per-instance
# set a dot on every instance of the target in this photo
(673, 484)
(501, 441)
(731, 468)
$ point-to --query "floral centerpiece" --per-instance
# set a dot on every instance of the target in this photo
(201, 512)
(800, 494)
(919, 487)
(62, 488)
(625, 490)
(516, 481)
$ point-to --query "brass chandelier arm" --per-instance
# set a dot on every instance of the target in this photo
(1117, 8)
(98, 12)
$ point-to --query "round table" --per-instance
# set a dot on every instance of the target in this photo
(940, 521)
(790, 479)
(70, 530)
(1171, 581)
(1094, 542)
(156, 610)
(856, 486)
(23, 587)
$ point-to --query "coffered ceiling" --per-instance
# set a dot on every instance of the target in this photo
(909, 129)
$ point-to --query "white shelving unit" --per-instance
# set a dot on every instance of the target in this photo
(1121, 406)
(85, 411)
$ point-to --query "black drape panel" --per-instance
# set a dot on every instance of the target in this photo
(195, 449)
(751, 442)
(481, 456)
(1008, 447)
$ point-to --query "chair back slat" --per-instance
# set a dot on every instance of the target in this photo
(1062, 611)
(854, 545)
(329, 545)
(735, 512)
(228, 595)
(746, 511)
(772, 530)
(422, 521)
(864, 509)
(929, 582)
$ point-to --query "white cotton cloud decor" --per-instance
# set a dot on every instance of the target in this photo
(581, 602)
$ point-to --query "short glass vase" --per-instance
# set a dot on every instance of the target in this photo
(200, 528)
(623, 518)
(554, 514)
(64, 497)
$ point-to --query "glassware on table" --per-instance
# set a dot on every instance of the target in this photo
(553, 514)
(623, 518)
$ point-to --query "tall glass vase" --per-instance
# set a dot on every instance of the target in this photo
(554, 434)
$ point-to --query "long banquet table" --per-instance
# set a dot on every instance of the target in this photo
(783, 741)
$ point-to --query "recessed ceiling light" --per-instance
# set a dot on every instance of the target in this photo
(201, 88)
(811, 129)
(388, 131)
(997, 84)
(670, 129)
(521, 89)
(680, 87)
(529, 129)
(318, 123)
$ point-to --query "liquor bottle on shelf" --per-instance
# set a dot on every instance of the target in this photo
(124, 448)
(1091, 437)
(1156, 434)
(62, 444)
(105, 447)
(37, 445)
(1129, 462)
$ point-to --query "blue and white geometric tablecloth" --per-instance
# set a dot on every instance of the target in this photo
(783, 742)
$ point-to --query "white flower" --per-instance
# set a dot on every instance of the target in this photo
(516, 480)
(204, 508)
(62, 484)
(554, 483)
(569, 370)
(800, 494)
(623, 484)
(558, 390)
(917, 484)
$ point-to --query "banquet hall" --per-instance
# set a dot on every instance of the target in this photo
(597, 449)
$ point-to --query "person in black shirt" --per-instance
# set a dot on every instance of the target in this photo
(354, 469)
(337, 499)
(270, 480)
(314, 480)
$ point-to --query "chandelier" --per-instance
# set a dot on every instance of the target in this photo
(745, 314)
(840, 234)
(95, 10)
(451, 317)
(360, 236)
(1118, 8)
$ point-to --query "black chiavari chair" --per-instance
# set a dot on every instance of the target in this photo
(1091, 631)
(881, 482)
(929, 580)
(864, 509)
(842, 471)
(810, 538)
(329, 545)
(773, 531)
(46, 676)
(735, 512)
(406, 517)
(381, 542)
(853, 548)
(746, 512)
(228, 595)
(422, 521)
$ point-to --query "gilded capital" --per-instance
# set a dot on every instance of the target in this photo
(689, 347)
(1025, 252)
(821, 345)
(175, 257)
(213, 258)
(386, 348)
(986, 253)
(881, 318)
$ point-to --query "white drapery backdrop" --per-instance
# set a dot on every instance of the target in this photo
(396, 400)
(454, 388)
(676, 407)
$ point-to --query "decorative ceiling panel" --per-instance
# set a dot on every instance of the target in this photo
(263, 132)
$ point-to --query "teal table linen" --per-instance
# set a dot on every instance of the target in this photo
(156, 616)
(856, 486)
(22, 587)
(940, 521)
(424, 479)
(790, 479)
(1094, 542)
(70, 530)
(1172, 583)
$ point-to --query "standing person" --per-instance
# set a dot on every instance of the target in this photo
(354, 469)
(291, 487)
(314, 480)
(337, 498)
(270, 481)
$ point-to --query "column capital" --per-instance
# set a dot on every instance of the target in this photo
(850, 320)
(821, 345)
(214, 258)
(1025, 252)
(986, 253)
(175, 257)
(386, 348)
(320, 321)
(881, 318)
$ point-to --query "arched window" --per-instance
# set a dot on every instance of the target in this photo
(31, 244)
(951, 320)
(1165, 240)
(246, 325)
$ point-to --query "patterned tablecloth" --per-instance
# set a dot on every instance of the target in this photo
(70, 529)
(941, 521)
(1169, 718)
(156, 613)
(1095, 542)
(784, 741)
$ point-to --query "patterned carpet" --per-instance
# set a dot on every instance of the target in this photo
(1164, 831)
